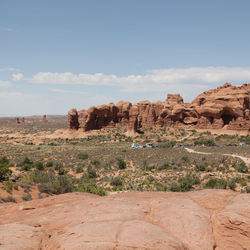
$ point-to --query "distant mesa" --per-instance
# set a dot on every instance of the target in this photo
(224, 107)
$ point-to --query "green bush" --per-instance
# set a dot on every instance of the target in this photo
(38, 165)
(7, 199)
(184, 184)
(201, 166)
(83, 155)
(232, 184)
(5, 171)
(121, 163)
(175, 187)
(59, 185)
(49, 164)
(4, 160)
(242, 168)
(91, 187)
(91, 173)
(95, 163)
(164, 166)
(216, 183)
(26, 167)
(116, 181)
(8, 185)
(27, 197)
(26, 161)
(206, 142)
(79, 169)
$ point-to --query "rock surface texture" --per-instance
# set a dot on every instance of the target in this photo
(207, 219)
(226, 107)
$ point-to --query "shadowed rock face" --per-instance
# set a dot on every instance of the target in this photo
(227, 106)
(208, 219)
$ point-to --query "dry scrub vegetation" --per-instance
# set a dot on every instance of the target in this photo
(34, 164)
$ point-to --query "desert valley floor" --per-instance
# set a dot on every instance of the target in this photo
(41, 161)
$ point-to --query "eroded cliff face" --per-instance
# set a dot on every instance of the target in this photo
(225, 107)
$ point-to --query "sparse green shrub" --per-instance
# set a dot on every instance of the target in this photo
(121, 163)
(161, 187)
(79, 169)
(49, 164)
(206, 142)
(27, 197)
(216, 183)
(91, 173)
(5, 171)
(186, 183)
(83, 155)
(175, 187)
(26, 161)
(38, 165)
(185, 159)
(8, 199)
(116, 181)
(8, 185)
(26, 167)
(241, 181)
(4, 160)
(248, 189)
(201, 166)
(95, 163)
(59, 185)
(232, 184)
(91, 187)
(242, 167)
(164, 166)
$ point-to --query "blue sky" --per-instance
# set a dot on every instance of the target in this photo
(55, 55)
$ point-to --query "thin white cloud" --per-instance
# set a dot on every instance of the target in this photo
(9, 69)
(4, 84)
(17, 77)
(152, 79)
(186, 81)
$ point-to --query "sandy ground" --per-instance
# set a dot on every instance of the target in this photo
(245, 159)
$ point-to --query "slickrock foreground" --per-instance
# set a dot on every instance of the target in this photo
(207, 219)
(225, 107)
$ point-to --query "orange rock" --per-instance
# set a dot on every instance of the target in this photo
(225, 106)
(207, 219)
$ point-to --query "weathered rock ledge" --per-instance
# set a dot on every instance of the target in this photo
(207, 219)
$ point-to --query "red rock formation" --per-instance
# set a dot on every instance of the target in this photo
(206, 219)
(73, 122)
(44, 120)
(227, 106)
(17, 120)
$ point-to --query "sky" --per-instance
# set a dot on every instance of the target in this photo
(60, 54)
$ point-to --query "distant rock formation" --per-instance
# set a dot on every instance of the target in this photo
(17, 120)
(225, 107)
(73, 122)
(44, 120)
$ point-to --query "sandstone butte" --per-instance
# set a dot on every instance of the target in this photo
(197, 220)
(226, 107)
